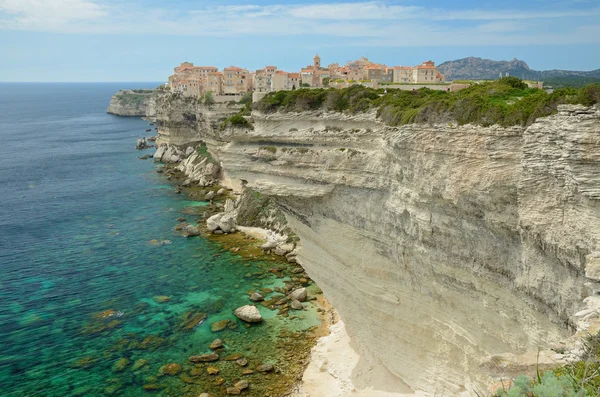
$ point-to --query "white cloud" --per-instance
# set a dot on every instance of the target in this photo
(51, 14)
(371, 22)
(373, 10)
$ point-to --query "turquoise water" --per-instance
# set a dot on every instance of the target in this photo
(79, 270)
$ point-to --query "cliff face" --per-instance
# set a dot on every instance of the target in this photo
(133, 103)
(445, 249)
(183, 120)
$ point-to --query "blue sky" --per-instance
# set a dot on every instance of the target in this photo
(142, 40)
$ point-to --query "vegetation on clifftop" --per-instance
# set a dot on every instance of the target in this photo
(507, 101)
(239, 119)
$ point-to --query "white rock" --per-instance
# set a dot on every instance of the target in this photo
(299, 294)
(283, 249)
(248, 314)
(212, 223)
(229, 205)
(159, 153)
(268, 245)
(210, 195)
(191, 230)
(227, 221)
(221, 191)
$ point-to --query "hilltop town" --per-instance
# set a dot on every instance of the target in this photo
(193, 80)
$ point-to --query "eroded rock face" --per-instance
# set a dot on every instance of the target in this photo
(183, 120)
(439, 245)
(133, 103)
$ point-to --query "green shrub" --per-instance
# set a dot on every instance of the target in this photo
(271, 149)
(549, 385)
(246, 98)
(507, 101)
(207, 99)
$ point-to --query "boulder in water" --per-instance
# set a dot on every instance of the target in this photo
(141, 144)
(299, 294)
(248, 313)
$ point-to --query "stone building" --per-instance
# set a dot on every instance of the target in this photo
(378, 73)
(421, 74)
(189, 79)
(236, 81)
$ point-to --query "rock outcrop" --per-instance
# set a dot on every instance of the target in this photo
(133, 103)
(442, 247)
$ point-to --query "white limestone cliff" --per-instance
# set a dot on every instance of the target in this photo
(451, 252)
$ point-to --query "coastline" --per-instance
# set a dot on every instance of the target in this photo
(246, 242)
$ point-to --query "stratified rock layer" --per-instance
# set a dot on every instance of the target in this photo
(441, 246)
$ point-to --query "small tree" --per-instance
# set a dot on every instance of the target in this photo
(247, 98)
(208, 99)
(305, 85)
(326, 81)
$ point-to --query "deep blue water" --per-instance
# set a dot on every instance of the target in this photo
(77, 213)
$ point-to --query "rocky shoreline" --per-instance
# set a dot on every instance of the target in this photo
(195, 174)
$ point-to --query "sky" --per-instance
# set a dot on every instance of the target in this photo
(143, 40)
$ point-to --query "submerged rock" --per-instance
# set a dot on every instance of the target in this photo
(256, 297)
(139, 364)
(265, 368)
(217, 343)
(161, 299)
(248, 313)
(204, 358)
(153, 387)
(242, 384)
(171, 369)
(120, 365)
(219, 325)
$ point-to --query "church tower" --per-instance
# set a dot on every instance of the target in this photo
(317, 61)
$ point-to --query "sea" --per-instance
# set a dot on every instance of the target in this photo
(99, 295)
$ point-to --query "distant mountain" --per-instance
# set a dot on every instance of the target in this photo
(485, 69)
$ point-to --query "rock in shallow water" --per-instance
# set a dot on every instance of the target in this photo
(171, 369)
(219, 325)
(120, 365)
(248, 313)
(256, 297)
(161, 299)
(204, 358)
(296, 305)
(265, 368)
(217, 343)
(299, 294)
